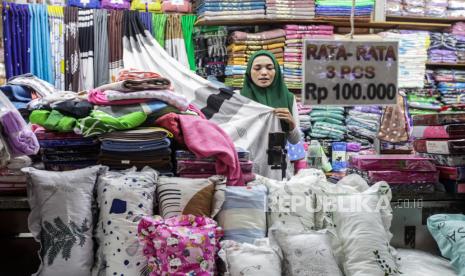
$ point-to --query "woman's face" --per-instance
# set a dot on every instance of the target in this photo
(263, 71)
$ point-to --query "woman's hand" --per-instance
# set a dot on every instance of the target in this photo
(285, 115)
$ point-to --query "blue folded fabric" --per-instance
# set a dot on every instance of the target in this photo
(67, 143)
(90, 4)
(125, 146)
(18, 95)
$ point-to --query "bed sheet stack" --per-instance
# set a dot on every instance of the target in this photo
(67, 151)
(139, 147)
(451, 86)
(293, 52)
(425, 100)
(290, 9)
(404, 173)
(189, 166)
(341, 9)
(230, 9)
(363, 124)
(328, 123)
(413, 55)
(443, 48)
(243, 44)
(442, 138)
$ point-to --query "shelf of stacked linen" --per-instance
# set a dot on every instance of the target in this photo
(451, 85)
(404, 173)
(423, 100)
(442, 48)
(230, 9)
(66, 151)
(328, 123)
(442, 138)
(138, 147)
(242, 45)
(293, 51)
(429, 8)
(341, 9)
(290, 9)
(363, 124)
(413, 55)
(189, 166)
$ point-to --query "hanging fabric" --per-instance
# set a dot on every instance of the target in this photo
(158, 28)
(101, 73)
(57, 44)
(86, 49)
(115, 34)
(41, 54)
(187, 22)
(16, 38)
(71, 49)
(146, 18)
(174, 43)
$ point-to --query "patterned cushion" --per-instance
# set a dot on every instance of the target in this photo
(183, 196)
(61, 219)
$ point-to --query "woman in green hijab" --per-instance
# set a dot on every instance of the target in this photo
(264, 83)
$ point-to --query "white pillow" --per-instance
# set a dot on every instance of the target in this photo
(250, 259)
(124, 198)
(61, 219)
(307, 253)
(364, 239)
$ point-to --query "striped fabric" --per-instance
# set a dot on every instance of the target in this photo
(86, 46)
(243, 215)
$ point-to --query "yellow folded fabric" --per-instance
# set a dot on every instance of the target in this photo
(141, 6)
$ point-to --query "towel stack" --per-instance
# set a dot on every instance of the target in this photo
(230, 9)
(290, 9)
(189, 166)
(66, 151)
(295, 35)
(328, 123)
(341, 9)
(413, 47)
(451, 85)
(442, 48)
(242, 45)
(442, 138)
(139, 147)
(363, 124)
(405, 173)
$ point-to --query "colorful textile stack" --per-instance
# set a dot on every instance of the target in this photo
(304, 117)
(413, 47)
(295, 34)
(363, 124)
(66, 151)
(404, 173)
(341, 9)
(451, 85)
(242, 45)
(290, 9)
(328, 123)
(442, 138)
(428, 8)
(442, 48)
(139, 147)
(423, 100)
(231, 9)
(210, 51)
(189, 166)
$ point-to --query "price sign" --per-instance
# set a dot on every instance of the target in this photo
(350, 72)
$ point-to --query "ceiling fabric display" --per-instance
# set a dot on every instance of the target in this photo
(246, 122)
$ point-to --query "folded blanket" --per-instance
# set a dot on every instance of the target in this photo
(135, 85)
(175, 6)
(238, 35)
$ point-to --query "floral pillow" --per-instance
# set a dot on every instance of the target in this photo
(61, 219)
(123, 199)
(181, 245)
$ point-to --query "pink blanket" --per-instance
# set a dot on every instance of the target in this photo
(98, 97)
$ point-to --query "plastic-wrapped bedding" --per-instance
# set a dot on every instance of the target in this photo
(419, 263)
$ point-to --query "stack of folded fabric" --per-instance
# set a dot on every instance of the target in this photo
(405, 173)
(189, 166)
(442, 138)
(138, 147)
(290, 9)
(455, 8)
(414, 7)
(12, 180)
(242, 45)
(328, 123)
(451, 85)
(413, 47)
(460, 47)
(210, 51)
(295, 35)
(66, 151)
(363, 124)
(341, 9)
(230, 9)
(304, 117)
(442, 48)
(435, 8)
(423, 100)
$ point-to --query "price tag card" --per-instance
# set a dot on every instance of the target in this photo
(349, 72)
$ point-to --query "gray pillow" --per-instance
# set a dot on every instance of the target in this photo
(61, 219)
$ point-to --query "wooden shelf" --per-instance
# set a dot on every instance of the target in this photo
(454, 65)
(424, 19)
(376, 25)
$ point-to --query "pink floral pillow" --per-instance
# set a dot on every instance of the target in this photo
(181, 245)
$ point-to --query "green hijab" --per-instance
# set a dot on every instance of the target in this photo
(276, 95)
